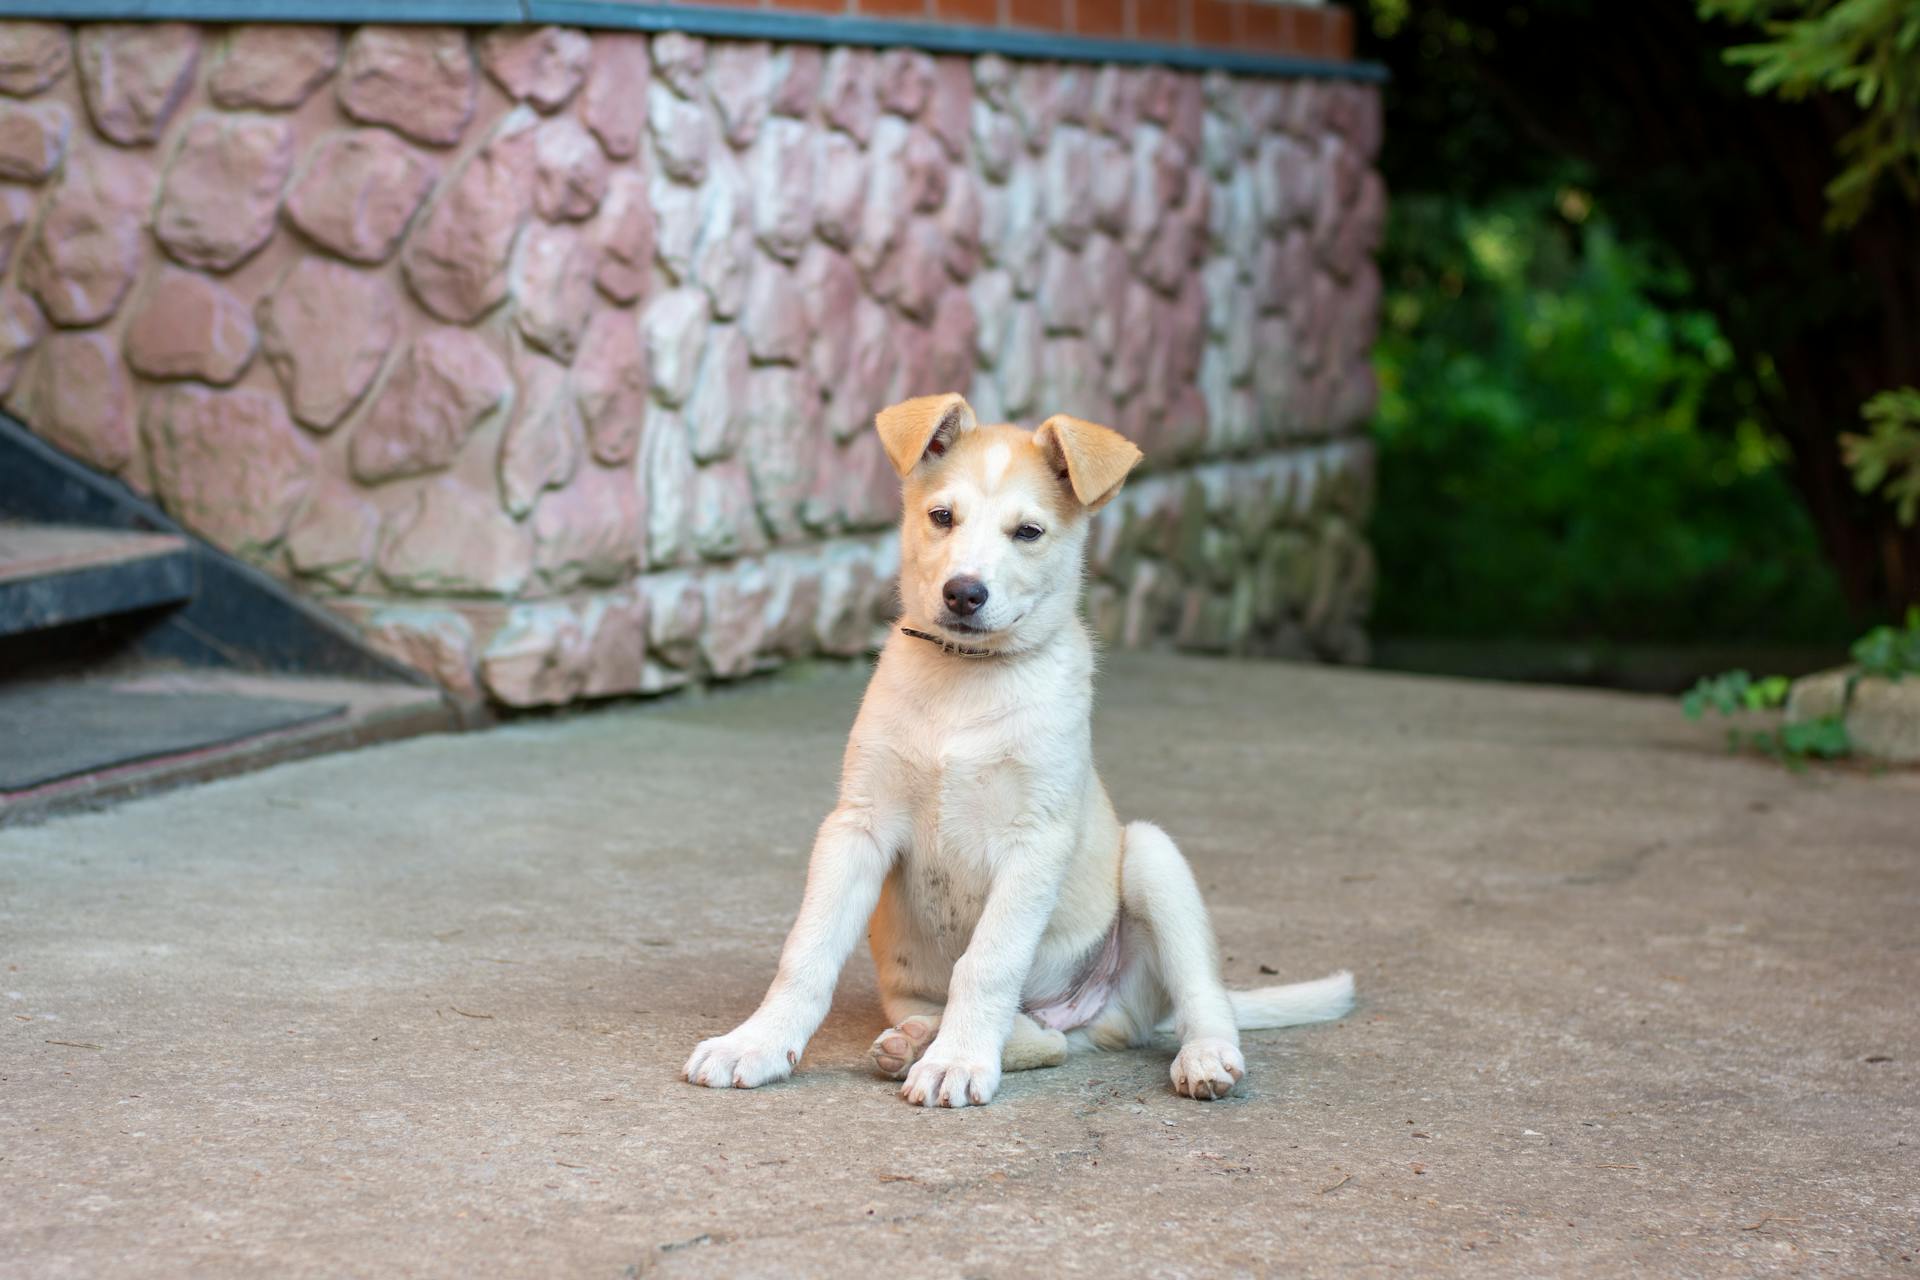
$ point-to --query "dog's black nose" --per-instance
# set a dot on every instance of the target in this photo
(964, 595)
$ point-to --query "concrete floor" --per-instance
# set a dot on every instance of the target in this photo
(1628, 1006)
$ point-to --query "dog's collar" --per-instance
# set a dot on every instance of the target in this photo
(948, 646)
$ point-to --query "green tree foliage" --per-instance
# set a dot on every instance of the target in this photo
(1544, 467)
(1495, 101)
(1866, 50)
(1887, 458)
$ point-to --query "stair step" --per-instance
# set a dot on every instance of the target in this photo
(78, 741)
(54, 575)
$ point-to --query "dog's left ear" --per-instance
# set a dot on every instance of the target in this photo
(1094, 459)
(924, 427)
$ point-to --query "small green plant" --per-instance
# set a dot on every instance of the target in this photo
(1890, 653)
(1733, 693)
(1886, 653)
(1889, 454)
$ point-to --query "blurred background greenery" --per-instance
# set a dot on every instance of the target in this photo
(1625, 328)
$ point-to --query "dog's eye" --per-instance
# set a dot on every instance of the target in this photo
(1028, 533)
(941, 517)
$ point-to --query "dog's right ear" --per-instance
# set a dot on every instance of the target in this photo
(924, 427)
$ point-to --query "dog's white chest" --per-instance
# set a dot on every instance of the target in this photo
(968, 804)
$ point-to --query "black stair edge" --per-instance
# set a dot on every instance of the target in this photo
(238, 616)
(83, 593)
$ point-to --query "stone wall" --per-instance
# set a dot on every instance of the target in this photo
(550, 357)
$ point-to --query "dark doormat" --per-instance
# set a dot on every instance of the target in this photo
(59, 730)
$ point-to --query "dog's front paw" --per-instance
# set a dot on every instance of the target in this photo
(1207, 1069)
(952, 1080)
(741, 1059)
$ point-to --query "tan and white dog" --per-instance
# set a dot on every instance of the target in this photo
(1012, 918)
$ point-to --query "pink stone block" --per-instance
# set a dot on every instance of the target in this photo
(840, 175)
(955, 330)
(553, 288)
(716, 412)
(357, 191)
(616, 637)
(589, 531)
(682, 137)
(449, 381)
(949, 111)
(227, 464)
(221, 195)
(680, 60)
(33, 139)
(569, 171)
(1113, 101)
(438, 643)
(22, 326)
(326, 329)
(996, 142)
(135, 74)
(914, 276)
(675, 324)
(272, 67)
(456, 260)
(847, 95)
(782, 174)
(78, 397)
(904, 81)
(610, 379)
(827, 288)
(187, 326)
(453, 540)
(537, 659)
(1066, 291)
(331, 541)
(725, 524)
(624, 232)
(614, 105)
(797, 72)
(737, 604)
(87, 247)
(742, 77)
(926, 171)
(960, 226)
(542, 446)
(32, 56)
(418, 80)
(774, 319)
(542, 65)
(781, 445)
(793, 607)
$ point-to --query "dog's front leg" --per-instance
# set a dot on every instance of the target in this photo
(851, 855)
(962, 1065)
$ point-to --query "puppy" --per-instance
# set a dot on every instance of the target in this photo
(1012, 918)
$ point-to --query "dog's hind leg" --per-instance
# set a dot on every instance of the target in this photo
(1178, 965)
(1029, 1045)
(915, 1022)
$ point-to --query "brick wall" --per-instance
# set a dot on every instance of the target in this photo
(549, 356)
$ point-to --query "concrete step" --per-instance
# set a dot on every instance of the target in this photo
(57, 575)
(81, 740)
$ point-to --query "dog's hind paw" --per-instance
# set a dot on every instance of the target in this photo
(898, 1048)
(1207, 1070)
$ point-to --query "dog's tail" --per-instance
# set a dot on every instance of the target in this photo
(1321, 1000)
(1264, 1008)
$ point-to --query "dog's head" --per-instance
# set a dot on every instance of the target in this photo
(994, 528)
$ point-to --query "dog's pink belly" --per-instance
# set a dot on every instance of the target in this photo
(1083, 1000)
